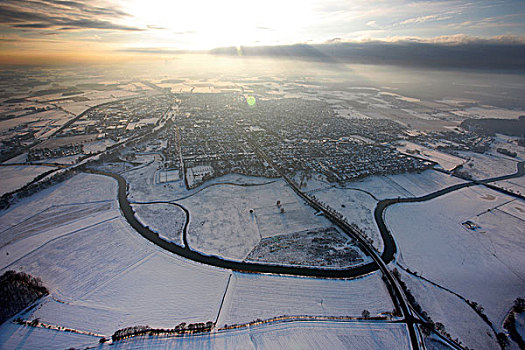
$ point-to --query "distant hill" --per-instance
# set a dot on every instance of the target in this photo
(491, 126)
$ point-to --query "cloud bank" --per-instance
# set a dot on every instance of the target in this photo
(498, 53)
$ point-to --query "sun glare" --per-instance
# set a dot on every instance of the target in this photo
(208, 24)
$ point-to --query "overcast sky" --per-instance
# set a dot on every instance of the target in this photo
(102, 29)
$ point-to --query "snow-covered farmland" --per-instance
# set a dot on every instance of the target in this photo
(424, 183)
(404, 185)
(14, 336)
(460, 320)
(289, 335)
(253, 296)
(447, 161)
(79, 189)
(221, 222)
(98, 146)
(168, 175)
(484, 265)
(515, 208)
(165, 219)
(490, 112)
(357, 200)
(356, 206)
(509, 143)
(49, 219)
(45, 119)
(102, 275)
(516, 185)
(485, 166)
(14, 177)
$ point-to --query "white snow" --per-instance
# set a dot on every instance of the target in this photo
(61, 160)
(484, 166)
(30, 235)
(460, 320)
(104, 276)
(14, 177)
(491, 112)
(358, 209)
(253, 296)
(165, 219)
(168, 175)
(485, 265)
(515, 208)
(101, 273)
(424, 183)
(98, 146)
(447, 161)
(21, 158)
(82, 188)
(359, 205)
(221, 222)
(289, 335)
(516, 185)
(14, 336)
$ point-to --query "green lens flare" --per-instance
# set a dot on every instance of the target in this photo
(250, 100)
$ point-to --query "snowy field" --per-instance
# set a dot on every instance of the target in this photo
(485, 166)
(460, 320)
(509, 143)
(427, 182)
(146, 181)
(404, 185)
(104, 276)
(516, 185)
(80, 189)
(252, 296)
(165, 219)
(447, 161)
(98, 146)
(13, 336)
(484, 265)
(92, 260)
(44, 119)
(515, 208)
(289, 335)
(61, 160)
(14, 177)
(357, 200)
(221, 222)
(489, 112)
(49, 219)
(357, 207)
(168, 176)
